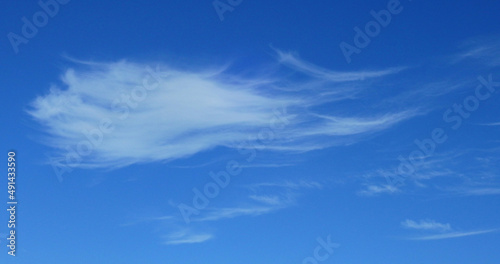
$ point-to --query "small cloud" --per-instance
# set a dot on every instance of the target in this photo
(139, 220)
(162, 218)
(481, 191)
(453, 235)
(445, 230)
(484, 50)
(293, 61)
(267, 199)
(492, 124)
(426, 225)
(223, 213)
(268, 165)
(289, 185)
(372, 190)
(187, 237)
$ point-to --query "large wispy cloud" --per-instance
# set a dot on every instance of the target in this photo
(120, 113)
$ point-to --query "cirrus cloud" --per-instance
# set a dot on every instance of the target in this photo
(121, 113)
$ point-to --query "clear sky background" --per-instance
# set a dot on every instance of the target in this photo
(252, 131)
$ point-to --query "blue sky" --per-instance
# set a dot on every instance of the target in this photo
(252, 131)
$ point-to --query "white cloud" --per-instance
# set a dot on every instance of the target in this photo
(454, 235)
(291, 60)
(187, 236)
(485, 50)
(372, 190)
(138, 220)
(426, 225)
(223, 213)
(445, 230)
(267, 165)
(450, 173)
(266, 198)
(168, 113)
(493, 124)
(288, 185)
(481, 191)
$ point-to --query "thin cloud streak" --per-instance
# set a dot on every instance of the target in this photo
(223, 213)
(373, 190)
(485, 50)
(481, 191)
(425, 225)
(187, 237)
(288, 185)
(264, 198)
(292, 61)
(492, 124)
(453, 235)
